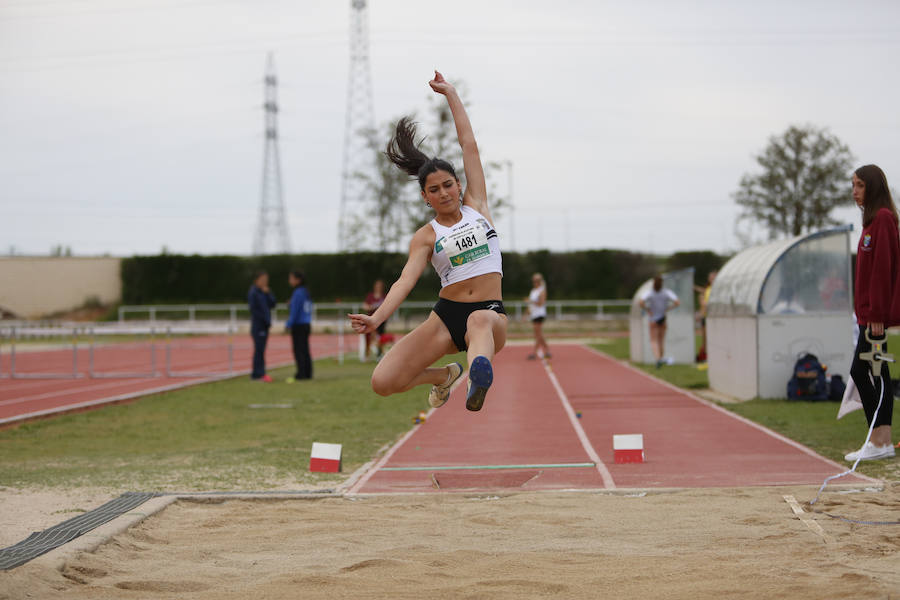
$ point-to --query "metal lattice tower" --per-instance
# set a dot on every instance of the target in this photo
(271, 228)
(360, 117)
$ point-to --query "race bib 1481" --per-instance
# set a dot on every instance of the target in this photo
(467, 245)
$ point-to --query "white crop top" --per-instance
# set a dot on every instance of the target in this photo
(466, 249)
(536, 310)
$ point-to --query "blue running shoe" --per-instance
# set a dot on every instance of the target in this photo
(481, 376)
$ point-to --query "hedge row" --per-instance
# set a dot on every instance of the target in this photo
(181, 279)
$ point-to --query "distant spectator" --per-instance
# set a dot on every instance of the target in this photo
(373, 301)
(299, 323)
(537, 312)
(704, 309)
(657, 301)
(261, 302)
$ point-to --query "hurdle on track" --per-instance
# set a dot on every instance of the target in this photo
(229, 331)
(16, 333)
(92, 366)
(13, 364)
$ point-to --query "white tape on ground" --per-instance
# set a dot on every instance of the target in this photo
(579, 431)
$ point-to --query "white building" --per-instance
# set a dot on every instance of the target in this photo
(773, 302)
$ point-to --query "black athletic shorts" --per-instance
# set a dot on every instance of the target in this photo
(538, 320)
(661, 320)
(456, 314)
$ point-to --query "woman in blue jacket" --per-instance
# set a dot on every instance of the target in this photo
(299, 323)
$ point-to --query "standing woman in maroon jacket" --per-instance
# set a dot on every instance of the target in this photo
(877, 302)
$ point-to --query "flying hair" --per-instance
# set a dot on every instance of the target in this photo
(404, 152)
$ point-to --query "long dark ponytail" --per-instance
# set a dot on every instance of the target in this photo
(404, 152)
(877, 194)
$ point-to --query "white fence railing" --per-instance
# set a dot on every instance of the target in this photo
(233, 313)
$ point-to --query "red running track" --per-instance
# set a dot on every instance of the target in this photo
(528, 436)
(193, 360)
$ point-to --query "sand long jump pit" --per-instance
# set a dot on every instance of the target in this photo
(709, 543)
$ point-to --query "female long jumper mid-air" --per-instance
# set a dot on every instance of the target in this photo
(464, 249)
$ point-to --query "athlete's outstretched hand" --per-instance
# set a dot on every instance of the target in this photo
(362, 323)
(440, 85)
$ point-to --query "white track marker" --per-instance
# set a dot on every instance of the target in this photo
(804, 516)
(325, 458)
(608, 482)
(628, 448)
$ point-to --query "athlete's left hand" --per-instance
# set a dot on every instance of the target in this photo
(440, 85)
(362, 323)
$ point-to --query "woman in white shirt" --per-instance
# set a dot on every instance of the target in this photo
(537, 312)
(464, 249)
(657, 301)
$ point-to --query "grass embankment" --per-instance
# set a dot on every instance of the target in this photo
(208, 437)
(813, 424)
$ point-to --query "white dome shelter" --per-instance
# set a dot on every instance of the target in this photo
(773, 302)
(680, 342)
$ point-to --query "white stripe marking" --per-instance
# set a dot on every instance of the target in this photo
(608, 482)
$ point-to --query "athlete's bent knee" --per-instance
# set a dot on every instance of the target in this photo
(382, 385)
(481, 319)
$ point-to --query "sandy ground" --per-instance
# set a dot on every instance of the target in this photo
(719, 543)
(23, 512)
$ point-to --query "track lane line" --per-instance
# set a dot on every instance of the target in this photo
(605, 475)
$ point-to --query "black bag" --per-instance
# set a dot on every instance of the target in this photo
(836, 387)
(808, 381)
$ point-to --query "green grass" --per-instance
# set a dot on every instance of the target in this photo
(207, 438)
(813, 424)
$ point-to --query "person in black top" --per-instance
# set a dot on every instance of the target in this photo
(261, 301)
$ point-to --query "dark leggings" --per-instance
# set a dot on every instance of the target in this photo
(868, 385)
(260, 337)
(300, 339)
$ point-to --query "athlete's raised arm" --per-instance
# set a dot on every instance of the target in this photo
(476, 189)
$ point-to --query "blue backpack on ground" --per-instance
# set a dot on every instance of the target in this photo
(808, 381)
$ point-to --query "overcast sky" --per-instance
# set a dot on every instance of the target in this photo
(127, 126)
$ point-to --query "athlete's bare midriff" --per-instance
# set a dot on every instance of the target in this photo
(476, 289)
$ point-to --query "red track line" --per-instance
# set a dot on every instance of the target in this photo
(579, 430)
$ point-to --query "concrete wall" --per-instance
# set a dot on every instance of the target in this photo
(32, 287)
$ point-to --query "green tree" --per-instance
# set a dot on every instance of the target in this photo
(804, 177)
